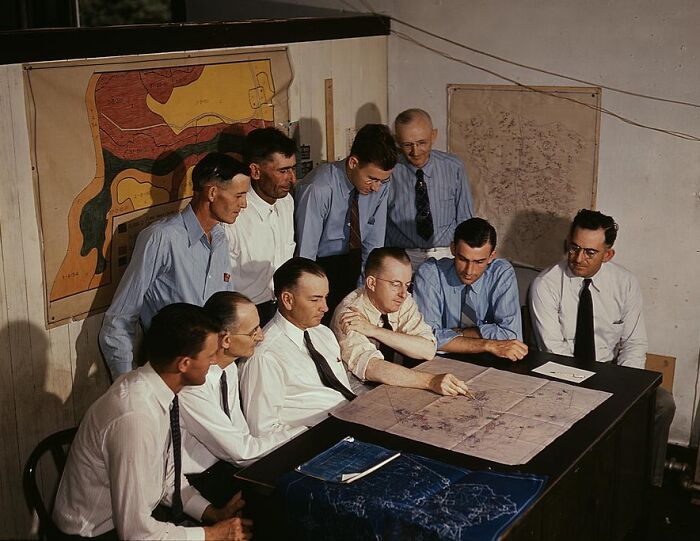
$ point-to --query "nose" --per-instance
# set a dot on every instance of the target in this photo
(244, 202)
(260, 336)
(471, 266)
(292, 177)
(580, 257)
(324, 306)
(403, 291)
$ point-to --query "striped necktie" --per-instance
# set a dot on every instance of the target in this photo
(175, 435)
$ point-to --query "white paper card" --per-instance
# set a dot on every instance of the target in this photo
(561, 371)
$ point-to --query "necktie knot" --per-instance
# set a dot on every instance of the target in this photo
(587, 282)
(385, 322)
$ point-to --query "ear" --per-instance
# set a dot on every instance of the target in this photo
(182, 364)
(225, 340)
(287, 299)
(491, 257)
(452, 248)
(353, 162)
(210, 192)
(608, 255)
(254, 171)
(370, 282)
(433, 135)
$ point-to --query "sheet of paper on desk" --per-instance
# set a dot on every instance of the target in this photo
(347, 461)
(561, 371)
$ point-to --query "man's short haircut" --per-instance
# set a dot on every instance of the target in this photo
(223, 306)
(594, 220)
(376, 258)
(177, 330)
(262, 143)
(476, 232)
(216, 168)
(374, 144)
(409, 115)
(287, 276)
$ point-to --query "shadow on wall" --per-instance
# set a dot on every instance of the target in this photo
(367, 114)
(534, 238)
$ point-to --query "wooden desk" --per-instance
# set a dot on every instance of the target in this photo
(598, 471)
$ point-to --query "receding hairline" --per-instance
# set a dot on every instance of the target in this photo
(412, 115)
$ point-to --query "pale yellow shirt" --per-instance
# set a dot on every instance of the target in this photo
(356, 349)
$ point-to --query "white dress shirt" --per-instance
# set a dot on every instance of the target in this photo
(280, 385)
(120, 465)
(357, 349)
(259, 242)
(618, 320)
(209, 435)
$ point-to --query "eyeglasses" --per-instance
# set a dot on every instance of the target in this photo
(420, 145)
(588, 253)
(377, 181)
(250, 334)
(397, 285)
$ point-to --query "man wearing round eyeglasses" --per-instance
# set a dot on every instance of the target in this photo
(379, 322)
(590, 308)
(471, 302)
(216, 440)
(340, 213)
(429, 193)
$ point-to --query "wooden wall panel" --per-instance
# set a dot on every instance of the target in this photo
(50, 378)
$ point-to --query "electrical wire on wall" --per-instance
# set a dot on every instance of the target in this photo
(405, 37)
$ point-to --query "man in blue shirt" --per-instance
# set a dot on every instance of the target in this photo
(183, 258)
(471, 302)
(340, 214)
(429, 194)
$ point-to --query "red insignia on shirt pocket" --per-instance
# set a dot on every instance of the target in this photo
(227, 277)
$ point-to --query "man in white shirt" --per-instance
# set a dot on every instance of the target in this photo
(295, 376)
(125, 458)
(263, 236)
(591, 308)
(217, 440)
(376, 322)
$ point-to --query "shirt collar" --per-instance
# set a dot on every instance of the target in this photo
(598, 280)
(427, 168)
(262, 207)
(372, 312)
(294, 333)
(345, 183)
(454, 281)
(192, 225)
(162, 393)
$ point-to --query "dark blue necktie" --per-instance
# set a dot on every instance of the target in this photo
(224, 394)
(175, 435)
(584, 341)
(424, 219)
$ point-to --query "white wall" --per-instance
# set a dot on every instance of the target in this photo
(49, 378)
(650, 182)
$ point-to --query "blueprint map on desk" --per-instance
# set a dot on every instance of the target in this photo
(412, 497)
(511, 418)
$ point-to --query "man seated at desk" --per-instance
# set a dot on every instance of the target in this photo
(591, 308)
(471, 302)
(295, 376)
(377, 322)
(217, 440)
(341, 209)
(125, 459)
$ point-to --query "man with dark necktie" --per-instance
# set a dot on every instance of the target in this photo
(126, 458)
(591, 308)
(379, 325)
(340, 213)
(216, 440)
(429, 195)
(295, 377)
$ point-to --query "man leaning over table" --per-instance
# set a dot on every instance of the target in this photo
(380, 322)
(471, 302)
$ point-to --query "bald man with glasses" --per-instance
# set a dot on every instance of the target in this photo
(379, 324)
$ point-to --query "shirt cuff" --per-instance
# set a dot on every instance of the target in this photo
(195, 504)
(361, 365)
(194, 534)
(444, 336)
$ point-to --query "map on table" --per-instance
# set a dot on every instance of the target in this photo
(113, 148)
(511, 419)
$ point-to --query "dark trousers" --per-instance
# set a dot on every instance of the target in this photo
(266, 310)
(343, 272)
(217, 484)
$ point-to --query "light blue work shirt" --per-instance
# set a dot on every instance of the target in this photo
(493, 297)
(450, 201)
(321, 214)
(173, 261)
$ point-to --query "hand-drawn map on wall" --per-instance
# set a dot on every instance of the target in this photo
(532, 160)
(114, 146)
(512, 418)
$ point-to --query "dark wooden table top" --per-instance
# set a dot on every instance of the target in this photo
(628, 385)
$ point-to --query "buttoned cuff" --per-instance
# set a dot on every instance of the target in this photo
(193, 503)
(444, 336)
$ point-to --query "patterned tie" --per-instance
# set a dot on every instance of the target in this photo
(469, 318)
(327, 376)
(389, 353)
(224, 394)
(175, 434)
(424, 219)
(584, 341)
(354, 222)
